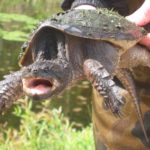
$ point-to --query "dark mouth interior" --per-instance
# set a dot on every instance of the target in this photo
(38, 86)
(39, 82)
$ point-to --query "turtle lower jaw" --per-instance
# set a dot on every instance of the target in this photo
(39, 88)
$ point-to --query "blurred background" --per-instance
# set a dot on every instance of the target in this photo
(62, 123)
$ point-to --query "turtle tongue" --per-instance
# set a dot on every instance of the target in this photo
(37, 86)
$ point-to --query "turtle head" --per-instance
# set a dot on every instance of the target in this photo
(46, 69)
(44, 79)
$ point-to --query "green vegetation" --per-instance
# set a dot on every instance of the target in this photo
(17, 17)
(16, 20)
(44, 130)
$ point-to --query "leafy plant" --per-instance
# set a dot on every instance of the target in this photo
(46, 130)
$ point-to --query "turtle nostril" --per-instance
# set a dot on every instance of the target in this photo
(34, 70)
(46, 69)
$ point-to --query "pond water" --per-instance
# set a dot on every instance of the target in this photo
(17, 19)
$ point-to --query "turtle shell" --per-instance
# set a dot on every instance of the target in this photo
(100, 24)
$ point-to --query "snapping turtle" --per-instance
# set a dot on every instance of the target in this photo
(78, 44)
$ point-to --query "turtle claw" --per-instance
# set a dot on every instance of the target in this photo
(115, 105)
(115, 108)
(119, 114)
(117, 100)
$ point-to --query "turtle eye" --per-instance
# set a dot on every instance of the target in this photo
(24, 46)
(23, 49)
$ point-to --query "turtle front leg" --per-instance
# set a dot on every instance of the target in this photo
(10, 90)
(101, 80)
(125, 76)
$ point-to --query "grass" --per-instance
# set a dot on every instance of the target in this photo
(44, 130)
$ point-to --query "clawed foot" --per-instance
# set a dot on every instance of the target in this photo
(113, 100)
(105, 86)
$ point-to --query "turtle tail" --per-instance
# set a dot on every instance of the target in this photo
(125, 76)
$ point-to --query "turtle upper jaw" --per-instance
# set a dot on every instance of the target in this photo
(40, 87)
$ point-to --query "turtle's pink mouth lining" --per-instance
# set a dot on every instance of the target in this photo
(37, 86)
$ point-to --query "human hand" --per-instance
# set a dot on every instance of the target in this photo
(141, 17)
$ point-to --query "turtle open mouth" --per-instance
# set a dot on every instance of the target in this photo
(38, 87)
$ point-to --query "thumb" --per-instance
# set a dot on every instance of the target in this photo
(146, 40)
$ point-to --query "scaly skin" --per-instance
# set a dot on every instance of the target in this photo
(127, 80)
(10, 90)
(55, 75)
(104, 84)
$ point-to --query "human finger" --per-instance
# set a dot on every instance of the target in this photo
(146, 41)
